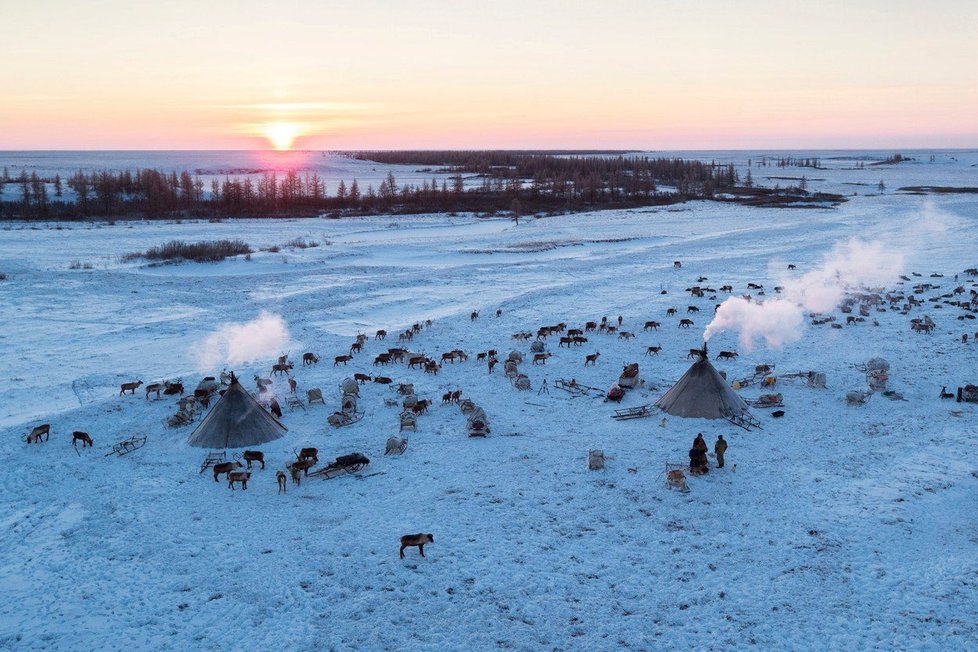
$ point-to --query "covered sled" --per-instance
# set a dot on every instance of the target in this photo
(629, 377)
(340, 419)
(348, 403)
(615, 393)
(514, 356)
(409, 421)
(538, 346)
(350, 386)
(478, 423)
(522, 382)
(510, 369)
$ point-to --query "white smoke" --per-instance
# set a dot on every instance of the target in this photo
(849, 265)
(235, 344)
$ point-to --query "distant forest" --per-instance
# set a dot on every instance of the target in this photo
(487, 182)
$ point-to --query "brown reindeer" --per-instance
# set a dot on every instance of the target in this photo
(421, 406)
(690, 309)
(380, 335)
(670, 312)
(308, 454)
(356, 347)
(309, 358)
(446, 398)
(406, 336)
(129, 387)
(653, 350)
(281, 368)
(625, 335)
(456, 396)
(361, 378)
(727, 355)
(694, 353)
(155, 387)
(590, 326)
(282, 481)
(225, 467)
(591, 359)
(254, 456)
(296, 473)
(419, 540)
(417, 361)
(342, 358)
(685, 323)
(492, 364)
(37, 432)
(83, 437)
(431, 367)
(565, 340)
(262, 383)
(383, 380)
(304, 465)
(541, 358)
(239, 476)
(292, 385)
(578, 340)
(651, 325)
(383, 358)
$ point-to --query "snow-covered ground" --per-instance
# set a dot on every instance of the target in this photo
(842, 527)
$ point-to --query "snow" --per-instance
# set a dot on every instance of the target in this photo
(840, 527)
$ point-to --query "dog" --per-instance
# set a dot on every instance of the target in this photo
(418, 540)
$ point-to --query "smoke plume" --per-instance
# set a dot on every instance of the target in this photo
(849, 265)
(235, 344)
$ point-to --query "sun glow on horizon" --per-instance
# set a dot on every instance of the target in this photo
(282, 135)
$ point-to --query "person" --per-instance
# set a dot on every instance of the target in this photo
(699, 443)
(719, 449)
(275, 408)
(697, 462)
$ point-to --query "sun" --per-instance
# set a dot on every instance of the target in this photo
(281, 134)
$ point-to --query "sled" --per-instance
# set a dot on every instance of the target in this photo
(294, 403)
(341, 419)
(215, 457)
(633, 413)
(744, 420)
(344, 464)
(315, 396)
(127, 446)
(577, 389)
(766, 401)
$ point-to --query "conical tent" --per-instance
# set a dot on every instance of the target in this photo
(236, 420)
(703, 394)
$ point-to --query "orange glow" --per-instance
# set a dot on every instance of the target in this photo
(282, 135)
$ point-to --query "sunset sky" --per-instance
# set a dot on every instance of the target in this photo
(241, 74)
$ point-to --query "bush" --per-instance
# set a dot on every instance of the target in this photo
(77, 264)
(3, 277)
(201, 252)
(301, 243)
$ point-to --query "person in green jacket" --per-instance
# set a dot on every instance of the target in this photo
(719, 449)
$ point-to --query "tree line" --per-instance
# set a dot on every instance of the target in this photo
(489, 182)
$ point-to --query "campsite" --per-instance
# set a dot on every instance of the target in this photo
(850, 515)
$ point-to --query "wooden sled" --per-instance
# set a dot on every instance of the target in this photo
(214, 457)
(633, 413)
(577, 389)
(766, 401)
(294, 403)
(127, 446)
(341, 419)
(344, 465)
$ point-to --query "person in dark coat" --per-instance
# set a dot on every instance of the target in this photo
(699, 443)
(697, 462)
(719, 449)
(275, 408)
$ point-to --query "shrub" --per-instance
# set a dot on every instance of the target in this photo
(201, 252)
(301, 243)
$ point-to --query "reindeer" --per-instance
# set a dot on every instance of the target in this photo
(456, 396)
(296, 473)
(303, 466)
(309, 358)
(431, 367)
(282, 368)
(446, 398)
(611, 330)
(419, 540)
(239, 476)
(566, 340)
(172, 389)
(225, 467)
(653, 350)
(791, 266)
(380, 335)
(727, 355)
(383, 358)
(417, 361)
(292, 385)
(693, 353)
(308, 454)
(726, 288)
(342, 358)
(591, 359)
(356, 347)
(499, 312)
(541, 358)
(361, 378)
(263, 384)
(685, 323)
(492, 363)
(626, 335)
(37, 432)
(155, 387)
(690, 309)
(474, 315)
(83, 437)
(383, 380)
(450, 357)
(651, 325)
(254, 456)
(129, 387)
(578, 340)
(406, 336)
(590, 326)
(421, 406)
(677, 264)
(282, 481)
(670, 312)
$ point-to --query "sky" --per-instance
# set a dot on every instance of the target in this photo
(372, 74)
